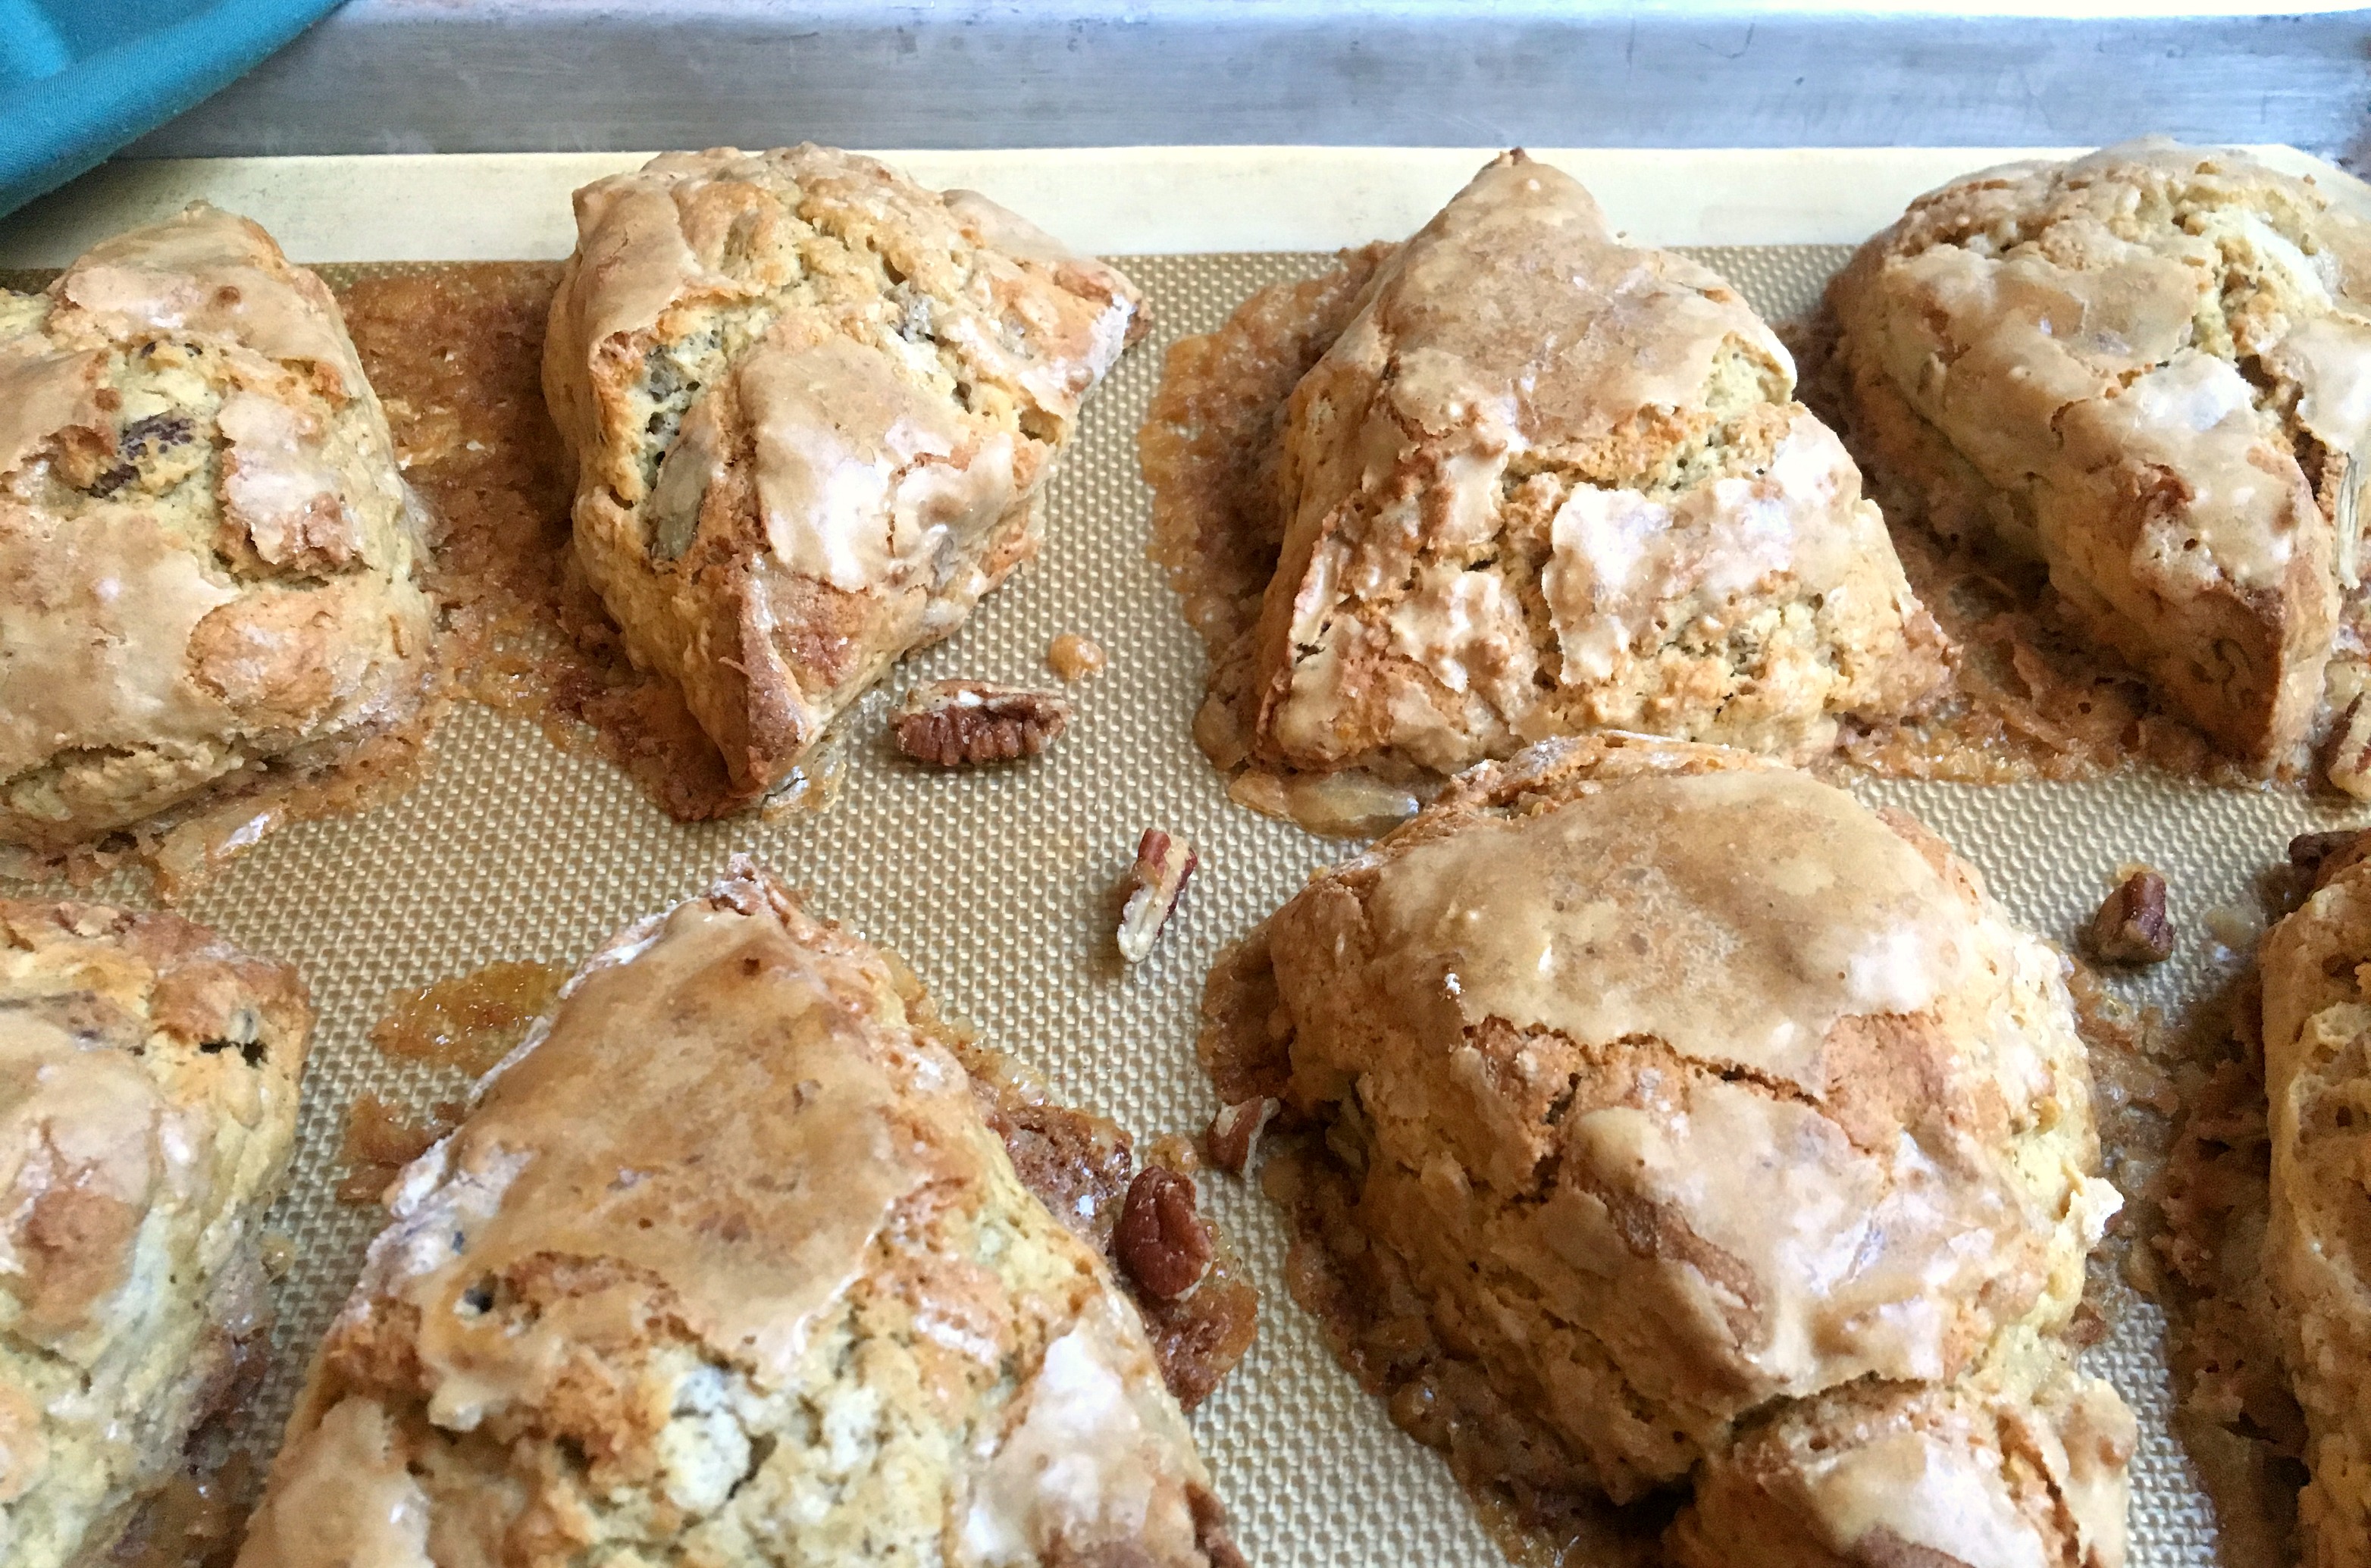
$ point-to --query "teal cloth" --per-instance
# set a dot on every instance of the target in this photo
(79, 78)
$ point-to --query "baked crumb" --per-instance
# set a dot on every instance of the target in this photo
(1074, 658)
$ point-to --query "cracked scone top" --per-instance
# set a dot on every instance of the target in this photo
(812, 407)
(725, 1266)
(2316, 1253)
(2151, 368)
(1679, 1086)
(208, 562)
(148, 1081)
(1548, 482)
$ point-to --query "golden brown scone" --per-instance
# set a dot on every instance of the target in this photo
(813, 406)
(2318, 1246)
(1546, 482)
(726, 1267)
(2151, 369)
(208, 562)
(1680, 1084)
(147, 1103)
(2019, 1464)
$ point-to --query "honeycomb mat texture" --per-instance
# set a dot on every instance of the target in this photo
(996, 885)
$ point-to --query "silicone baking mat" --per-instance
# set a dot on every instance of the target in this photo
(995, 884)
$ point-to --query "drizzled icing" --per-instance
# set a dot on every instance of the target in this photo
(794, 1126)
(1735, 916)
(861, 476)
(207, 273)
(1623, 561)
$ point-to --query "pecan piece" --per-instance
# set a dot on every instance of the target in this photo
(2347, 760)
(2320, 856)
(954, 722)
(2132, 925)
(1153, 886)
(1160, 1241)
(1235, 1134)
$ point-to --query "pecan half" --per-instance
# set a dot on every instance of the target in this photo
(1235, 1134)
(952, 723)
(1160, 1241)
(2132, 925)
(2320, 856)
(1153, 886)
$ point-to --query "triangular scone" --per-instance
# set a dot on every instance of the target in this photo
(2151, 368)
(1546, 482)
(148, 1083)
(1674, 1089)
(210, 566)
(725, 1266)
(812, 407)
(2317, 1021)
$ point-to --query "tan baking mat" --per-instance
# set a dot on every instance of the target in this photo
(994, 884)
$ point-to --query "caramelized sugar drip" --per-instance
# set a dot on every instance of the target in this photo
(195, 1521)
(468, 1022)
(1210, 447)
(456, 353)
(1079, 1166)
(380, 1140)
(2235, 1416)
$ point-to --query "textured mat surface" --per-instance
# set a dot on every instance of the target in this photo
(995, 885)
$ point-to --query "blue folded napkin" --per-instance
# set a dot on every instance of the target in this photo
(79, 78)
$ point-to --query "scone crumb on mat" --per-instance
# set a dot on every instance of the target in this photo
(1074, 657)
(1152, 889)
(955, 723)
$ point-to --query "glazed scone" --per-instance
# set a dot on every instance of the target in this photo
(726, 1267)
(2150, 368)
(1679, 1084)
(2019, 1464)
(2317, 1250)
(148, 1077)
(208, 564)
(813, 409)
(1546, 482)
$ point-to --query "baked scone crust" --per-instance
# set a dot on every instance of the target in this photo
(725, 1266)
(209, 563)
(2317, 1250)
(2021, 1463)
(1547, 482)
(812, 407)
(1681, 1085)
(148, 1084)
(2146, 368)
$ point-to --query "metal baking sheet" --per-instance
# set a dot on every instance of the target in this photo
(995, 883)
(482, 76)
